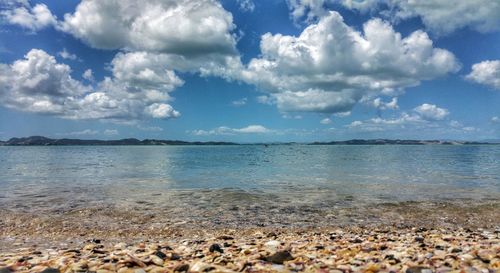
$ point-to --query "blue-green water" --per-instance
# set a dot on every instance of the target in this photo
(58, 178)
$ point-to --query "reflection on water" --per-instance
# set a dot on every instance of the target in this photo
(229, 177)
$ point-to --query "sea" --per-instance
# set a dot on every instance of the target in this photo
(199, 180)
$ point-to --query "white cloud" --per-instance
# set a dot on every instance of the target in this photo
(86, 132)
(404, 121)
(309, 10)
(410, 124)
(223, 130)
(326, 121)
(381, 105)
(443, 17)
(495, 119)
(330, 66)
(66, 55)
(88, 75)
(111, 132)
(150, 128)
(239, 102)
(194, 27)
(33, 18)
(431, 112)
(440, 17)
(138, 89)
(198, 38)
(161, 110)
(487, 73)
(425, 116)
(342, 114)
(266, 100)
(246, 5)
(287, 116)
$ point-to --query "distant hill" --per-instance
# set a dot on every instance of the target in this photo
(44, 141)
(397, 142)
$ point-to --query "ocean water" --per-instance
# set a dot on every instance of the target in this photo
(192, 178)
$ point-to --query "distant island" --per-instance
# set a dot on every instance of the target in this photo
(45, 141)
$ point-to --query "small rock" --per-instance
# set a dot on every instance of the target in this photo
(273, 244)
(182, 268)
(419, 239)
(485, 255)
(456, 250)
(50, 270)
(272, 234)
(174, 256)
(418, 269)
(216, 247)
(279, 257)
(160, 254)
(225, 237)
(157, 260)
(5, 270)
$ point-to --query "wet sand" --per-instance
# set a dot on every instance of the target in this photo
(439, 236)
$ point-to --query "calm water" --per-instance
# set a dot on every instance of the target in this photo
(41, 178)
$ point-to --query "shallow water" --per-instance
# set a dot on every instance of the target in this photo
(277, 176)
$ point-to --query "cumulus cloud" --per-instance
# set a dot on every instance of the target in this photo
(330, 66)
(326, 121)
(66, 55)
(487, 73)
(380, 124)
(149, 128)
(88, 75)
(266, 100)
(431, 112)
(381, 105)
(223, 130)
(308, 10)
(32, 18)
(246, 5)
(495, 119)
(186, 36)
(199, 38)
(161, 110)
(440, 17)
(86, 132)
(194, 27)
(111, 132)
(423, 116)
(138, 89)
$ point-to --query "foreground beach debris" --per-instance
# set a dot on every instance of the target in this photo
(263, 250)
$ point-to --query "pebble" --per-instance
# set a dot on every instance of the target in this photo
(418, 269)
(50, 270)
(273, 244)
(389, 250)
(216, 247)
(279, 257)
(182, 268)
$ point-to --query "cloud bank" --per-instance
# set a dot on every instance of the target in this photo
(440, 17)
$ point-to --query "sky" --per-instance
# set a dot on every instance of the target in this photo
(249, 70)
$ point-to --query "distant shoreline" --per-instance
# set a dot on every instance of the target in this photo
(45, 141)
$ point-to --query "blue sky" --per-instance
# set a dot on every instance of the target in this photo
(250, 71)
